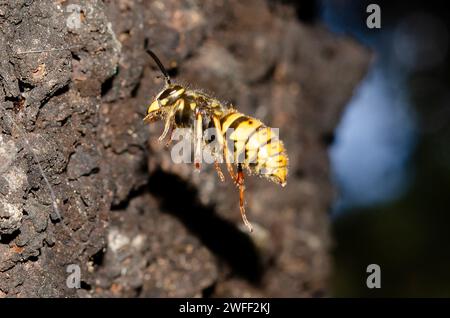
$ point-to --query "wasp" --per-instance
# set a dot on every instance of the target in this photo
(243, 141)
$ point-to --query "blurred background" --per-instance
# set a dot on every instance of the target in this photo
(391, 152)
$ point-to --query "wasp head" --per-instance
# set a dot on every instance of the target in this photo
(160, 107)
(161, 104)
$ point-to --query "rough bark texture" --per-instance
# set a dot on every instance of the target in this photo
(83, 181)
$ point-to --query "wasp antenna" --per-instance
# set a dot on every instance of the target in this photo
(160, 65)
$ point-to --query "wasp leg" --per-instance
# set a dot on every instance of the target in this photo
(169, 141)
(167, 126)
(198, 140)
(239, 178)
(169, 123)
(228, 163)
(223, 146)
(240, 183)
(219, 171)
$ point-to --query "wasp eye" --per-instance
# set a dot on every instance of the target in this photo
(171, 93)
(166, 93)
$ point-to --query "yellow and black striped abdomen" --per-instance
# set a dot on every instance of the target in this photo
(256, 146)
